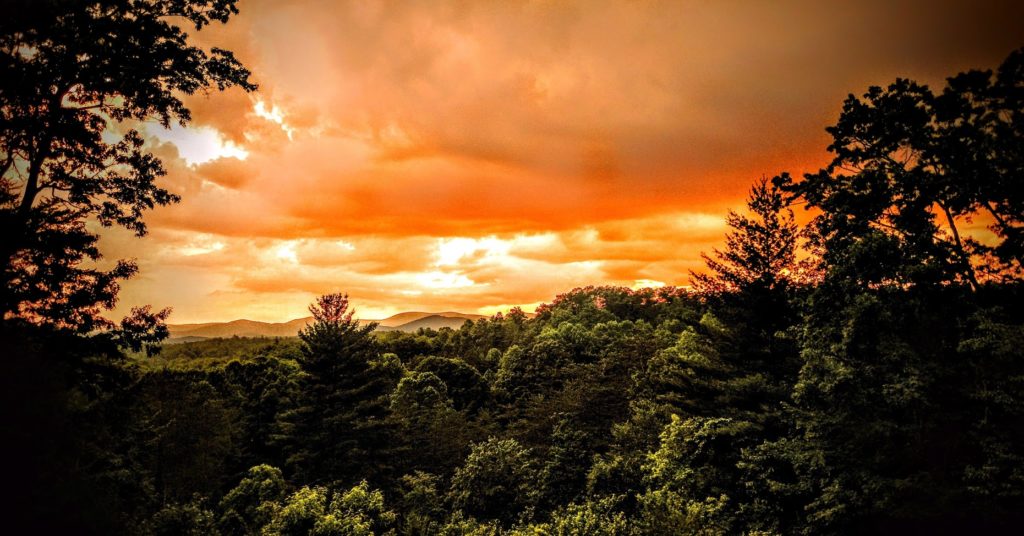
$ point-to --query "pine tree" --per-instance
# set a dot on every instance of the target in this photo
(760, 250)
(728, 378)
(338, 431)
(740, 351)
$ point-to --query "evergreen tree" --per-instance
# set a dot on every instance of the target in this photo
(738, 357)
(338, 431)
(760, 252)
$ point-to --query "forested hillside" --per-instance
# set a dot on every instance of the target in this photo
(614, 411)
(863, 373)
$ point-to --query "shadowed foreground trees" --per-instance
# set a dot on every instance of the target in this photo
(77, 78)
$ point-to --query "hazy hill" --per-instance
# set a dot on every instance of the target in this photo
(408, 321)
(238, 328)
(434, 321)
(401, 320)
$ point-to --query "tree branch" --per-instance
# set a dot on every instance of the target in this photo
(965, 260)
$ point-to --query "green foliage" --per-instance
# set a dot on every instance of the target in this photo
(995, 351)
(301, 514)
(459, 525)
(438, 435)
(694, 454)
(692, 475)
(665, 512)
(317, 511)
(498, 481)
(418, 393)
(564, 473)
(365, 507)
(185, 519)
(213, 352)
(189, 432)
(466, 387)
(618, 472)
(597, 518)
(422, 504)
(252, 503)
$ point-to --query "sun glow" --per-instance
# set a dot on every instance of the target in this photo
(286, 252)
(451, 251)
(514, 153)
(646, 283)
(197, 145)
(202, 245)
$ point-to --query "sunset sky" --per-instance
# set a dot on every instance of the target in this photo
(473, 156)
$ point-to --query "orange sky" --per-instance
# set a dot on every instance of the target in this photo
(476, 155)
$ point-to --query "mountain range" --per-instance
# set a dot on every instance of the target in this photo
(408, 321)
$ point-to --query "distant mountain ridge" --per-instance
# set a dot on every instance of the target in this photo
(407, 321)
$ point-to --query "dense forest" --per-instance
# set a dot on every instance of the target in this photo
(862, 373)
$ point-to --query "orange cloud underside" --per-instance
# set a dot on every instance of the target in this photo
(445, 155)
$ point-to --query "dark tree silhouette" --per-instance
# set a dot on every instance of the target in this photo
(750, 285)
(74, 74)
(912, 167)
(760, 250)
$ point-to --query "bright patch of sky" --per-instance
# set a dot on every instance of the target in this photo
(273, 114)
(197, 144)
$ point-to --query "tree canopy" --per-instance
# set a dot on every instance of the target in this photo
(76, 79)
(911, 167)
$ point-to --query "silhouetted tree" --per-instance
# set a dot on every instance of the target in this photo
(74, 76)
(911, 167)
(894, 413)
(738, 357)
(760, 249)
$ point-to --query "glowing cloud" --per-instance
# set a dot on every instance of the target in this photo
(450, 251)
(443, 280)
(275, 115)
(474, 156)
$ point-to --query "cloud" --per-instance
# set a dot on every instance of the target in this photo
(204, 273)
(453, 154)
